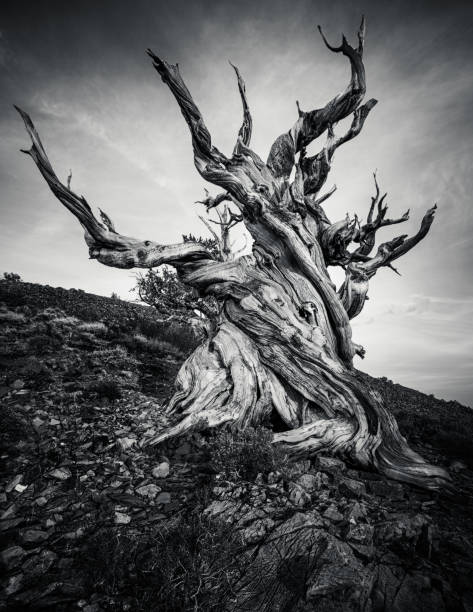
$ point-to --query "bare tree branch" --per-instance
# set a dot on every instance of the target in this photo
(105, 244)
(244, 134)
(312, 124)
(316, 168)
(366, 234)
(211, 164)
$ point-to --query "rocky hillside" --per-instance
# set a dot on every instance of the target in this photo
(91, 521)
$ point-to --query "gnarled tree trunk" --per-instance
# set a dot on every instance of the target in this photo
(282, 343)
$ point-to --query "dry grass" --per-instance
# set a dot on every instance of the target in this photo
(8, 316)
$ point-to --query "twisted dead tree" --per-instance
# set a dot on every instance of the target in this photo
(283, 343)
(175, 301)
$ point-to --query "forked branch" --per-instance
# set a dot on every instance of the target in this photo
(315, 169)
(392, 250)
(366, 234)
(211, 164)
(360, 269)
(312, 124)
(104, 242)
(244, 134)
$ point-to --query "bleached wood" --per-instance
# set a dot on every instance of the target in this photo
(282, 343)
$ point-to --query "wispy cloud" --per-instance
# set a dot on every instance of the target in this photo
(102, 111)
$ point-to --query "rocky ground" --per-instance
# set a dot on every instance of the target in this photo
(91, 521)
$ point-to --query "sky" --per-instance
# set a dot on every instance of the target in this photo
(80, 70)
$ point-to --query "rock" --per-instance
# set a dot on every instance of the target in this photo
(33, 536)
(18, 384)
(396, 591)
(333, 514)
(351, 487)
(274, 478)
(39, 564)
(310, 482)
(15, 583)
(162, 470)
(300, 562)
(361, 534)
(150, 491)
(356, 512)
(403, 527)
(12, 557)
(10, 512)
(163, 498)
(92, 608)
(384, 488)
(257, 530)
(126, 443)
(298, 467)
(122, 519)
(298, 495)
(13, 483)
(54, 422)
(183, 449)
(37, 423)
(331, 464)
(21, 488)
(62, 473)
(457, 466)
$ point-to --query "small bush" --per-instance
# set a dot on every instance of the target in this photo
(14, 428)
(12, 277)
(244, 454)
(116, 358)
(66, 321)
(96, 327)
(108, 388)
(188, 565)
(174, 333)
(8, 316)
(41, 344)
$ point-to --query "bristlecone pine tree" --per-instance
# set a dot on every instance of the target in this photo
(283, 345)
(175, 301)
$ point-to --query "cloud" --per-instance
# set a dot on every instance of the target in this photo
(80, 69)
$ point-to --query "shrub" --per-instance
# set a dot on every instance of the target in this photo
(188, 564)
(175, 333)
(66, 321)
(108, 388)
(42, 343)
(244, 454)
(116, 358)
(9, 316)
(96, 327)
(12, 277)
(14, 428)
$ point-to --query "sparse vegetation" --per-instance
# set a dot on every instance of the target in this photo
(187, 565)
(78, 397)
(108, 388)
(12, 277)
(245, 453)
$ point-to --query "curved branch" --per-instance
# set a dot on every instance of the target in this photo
(353, 292)
(213, 201)
(105, 244)
(390, 251)
(366, 234)
(312, 124)
(244, 134)
(211, 164)
(316, 168)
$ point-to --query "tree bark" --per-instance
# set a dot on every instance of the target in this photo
(282, 344)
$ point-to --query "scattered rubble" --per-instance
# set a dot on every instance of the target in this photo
(318, 535)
